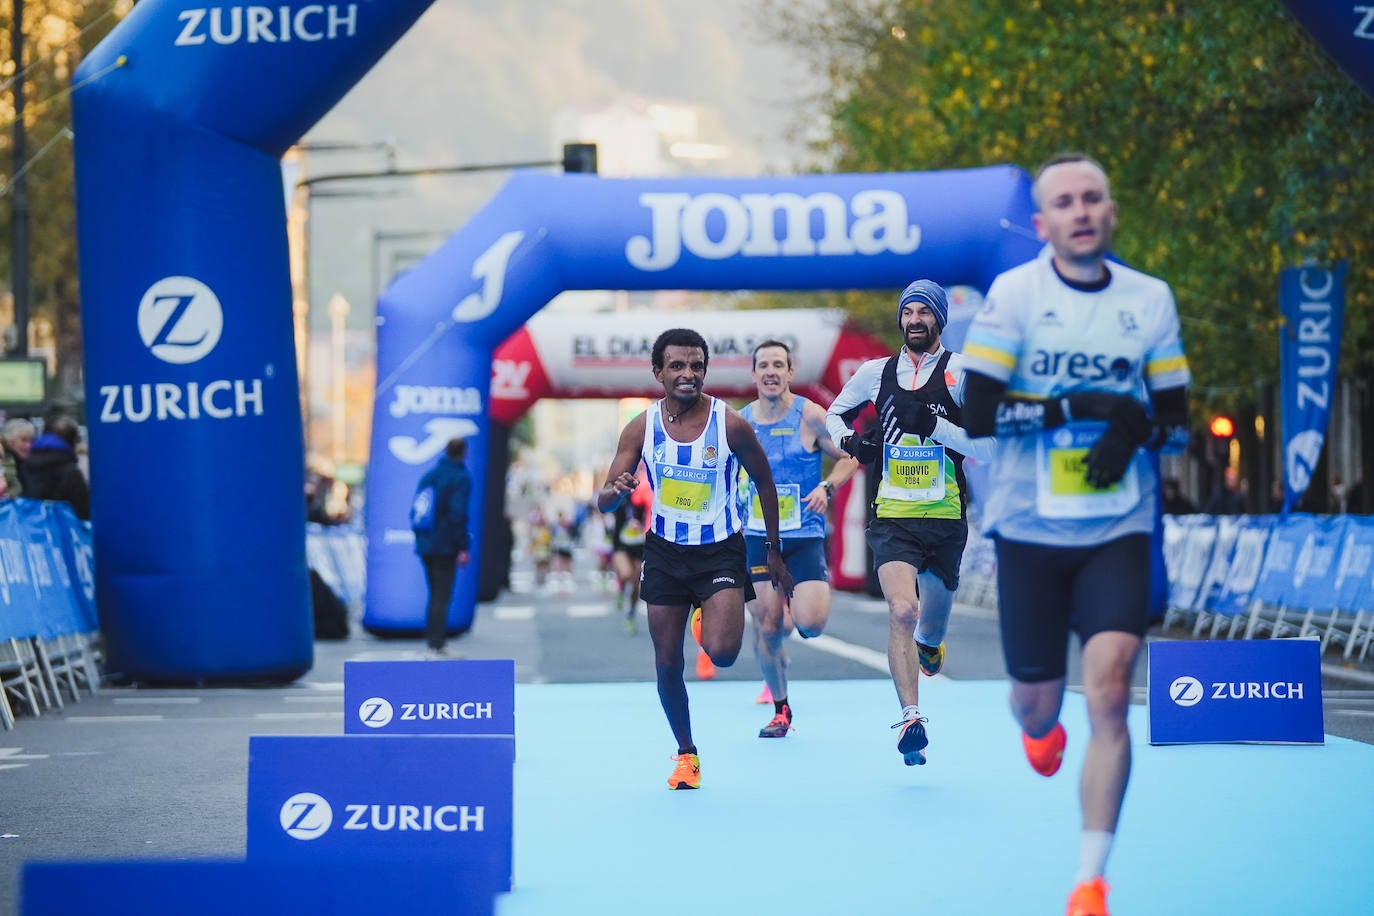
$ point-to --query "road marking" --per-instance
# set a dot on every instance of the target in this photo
(589, 610)
(514, 612)
(861, 654)
(155, 701)
(284, 716)
(150, 718)
(336, 686)
(12, 766)
(310, 699)
(12, 753)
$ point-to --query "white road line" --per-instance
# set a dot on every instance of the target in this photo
(322, 699)
(12, 766)
(514, 612)
(155, 701)
(336, 686)
(12, 753)
(861, 654)
(113, 719)
(589, 610)
(283, 716)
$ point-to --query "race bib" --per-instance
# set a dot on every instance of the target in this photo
(1061, 486)
(789, 508)
(687, 494)
(913, 473)
(632, 533)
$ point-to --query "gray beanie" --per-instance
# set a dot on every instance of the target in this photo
(926, 292)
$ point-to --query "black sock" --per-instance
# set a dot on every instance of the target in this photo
(690, 750)
(779, 704)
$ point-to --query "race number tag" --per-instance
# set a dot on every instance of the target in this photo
(789, 508)
(914, 473)
(1061, 486)
(686, 494)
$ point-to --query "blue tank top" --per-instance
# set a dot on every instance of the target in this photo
(796, 472)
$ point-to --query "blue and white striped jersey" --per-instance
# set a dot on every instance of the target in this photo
(694, 483)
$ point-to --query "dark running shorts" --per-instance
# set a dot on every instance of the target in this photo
(934, 545)
(687, 574)
(1044, 592)
(805, 559)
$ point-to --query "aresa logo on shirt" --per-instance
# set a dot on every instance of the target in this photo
(180, 321)
(1082, 367)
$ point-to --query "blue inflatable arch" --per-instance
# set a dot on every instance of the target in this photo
(181, 117)
(440, 323)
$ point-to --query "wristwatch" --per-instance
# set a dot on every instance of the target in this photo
(771, 547)
(829, 488)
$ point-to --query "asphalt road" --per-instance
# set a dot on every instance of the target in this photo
(162, 772)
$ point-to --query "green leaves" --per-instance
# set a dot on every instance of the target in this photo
(1234, 145)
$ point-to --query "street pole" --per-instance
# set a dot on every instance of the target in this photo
(19, 198)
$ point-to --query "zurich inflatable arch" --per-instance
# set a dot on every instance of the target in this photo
(181, 118)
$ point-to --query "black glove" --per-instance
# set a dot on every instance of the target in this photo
(1111, 455)
(1118, 409)
(865, 448)
(919, 418)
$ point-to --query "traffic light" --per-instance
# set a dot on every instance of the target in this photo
(579, 157)
(1223, 430)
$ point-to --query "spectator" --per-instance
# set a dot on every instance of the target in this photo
(18, 435)
(52, 469)
(1175, 503)
(1354, 497)
(439, 519)
(1229, 498)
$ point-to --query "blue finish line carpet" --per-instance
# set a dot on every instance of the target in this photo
(829, 820)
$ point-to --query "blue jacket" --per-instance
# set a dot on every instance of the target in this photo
(453, 489)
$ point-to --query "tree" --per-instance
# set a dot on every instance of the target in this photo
(57, 35)
(1235, 146)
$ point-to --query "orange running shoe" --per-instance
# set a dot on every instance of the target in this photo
(1047, 753)
(765, 696)
(687, 773)
(696, 624)
(706, 669)
(780, 725)
(1089, 899)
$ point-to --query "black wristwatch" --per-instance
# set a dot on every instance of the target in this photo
(828, 487)
(771, 547)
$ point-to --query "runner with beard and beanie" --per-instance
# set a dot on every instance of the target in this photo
(920, 528)
(693, 446)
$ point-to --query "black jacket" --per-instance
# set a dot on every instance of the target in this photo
(51, 472)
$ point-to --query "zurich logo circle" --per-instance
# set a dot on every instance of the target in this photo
(306, 816)
(1300, 457)
(180, 319)
(1186, 691)
(375, 712)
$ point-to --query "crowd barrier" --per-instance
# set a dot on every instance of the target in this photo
(339, 554)
(1244, 576)
(49, 632)
(1247, 576)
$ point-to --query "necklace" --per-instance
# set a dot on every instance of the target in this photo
(673, 417)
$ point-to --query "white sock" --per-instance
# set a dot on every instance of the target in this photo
(1092, 854)
(910, 712)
